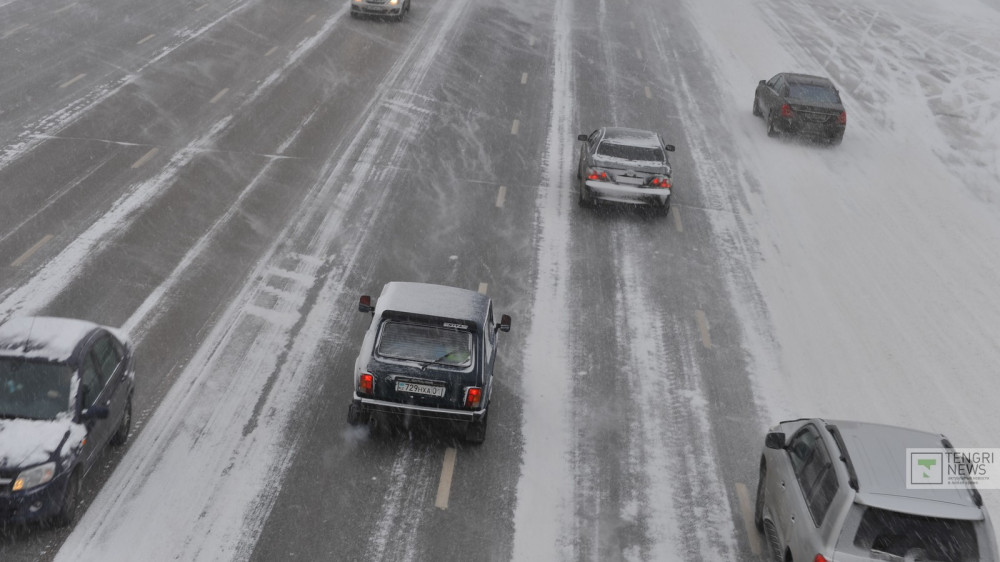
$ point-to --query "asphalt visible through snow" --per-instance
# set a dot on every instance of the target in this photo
(224, 179)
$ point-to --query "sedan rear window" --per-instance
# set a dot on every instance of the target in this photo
(813, 92)
(425, 344)
(629, 152)
(34, 389)
(900, 535)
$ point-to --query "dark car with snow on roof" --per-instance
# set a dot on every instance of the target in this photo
(65, 394)
(801, 104)
(429, 353)
(623, 165)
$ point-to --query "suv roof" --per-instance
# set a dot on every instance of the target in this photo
(437, 301)
(878, 453)
(42, 337)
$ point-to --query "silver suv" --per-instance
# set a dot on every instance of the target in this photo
(835, 491)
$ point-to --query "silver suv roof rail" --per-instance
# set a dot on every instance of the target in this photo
(844, 456)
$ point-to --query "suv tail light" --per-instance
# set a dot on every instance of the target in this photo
(662, 182)
(842, 118)
(366, 383)
(786, 111)
(473, 397)
(595, 175)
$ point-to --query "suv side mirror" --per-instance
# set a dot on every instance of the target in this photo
(669, 147)
(762, 83)
(365, 304)
(94, 413)
(504, 324)
(775, 440)
(582, 137)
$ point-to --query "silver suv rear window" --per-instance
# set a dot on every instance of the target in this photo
(894, 536)
(425, 344)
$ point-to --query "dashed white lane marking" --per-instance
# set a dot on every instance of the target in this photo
(747, 511)
(14, 30)
(649, 93)
(145, 158)
(501, 195)
(706, 339)
(71, 81)
(271, 51)
(631, 24)
(310, 18)
(524, 77)
(31, 251)
(447, 471)
(482, 288)
(218, 96)
(531, 41)
(514, 127)
(638, 53)
(200, 8)
(64, 8)
(146, 38)
(677, 218)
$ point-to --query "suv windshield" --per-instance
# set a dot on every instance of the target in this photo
(33, 389)
(922, 538)
(426, 344)
(813, 92)
(628, 152)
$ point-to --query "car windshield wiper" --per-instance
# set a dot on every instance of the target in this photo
(438, 360)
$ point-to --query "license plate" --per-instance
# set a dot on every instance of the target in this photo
(420, 388)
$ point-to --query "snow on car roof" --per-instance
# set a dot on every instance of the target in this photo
(631, 137)
(46, 337)
(792, 77)
(433, 300)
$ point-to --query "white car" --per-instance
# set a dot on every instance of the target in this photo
(392, 8)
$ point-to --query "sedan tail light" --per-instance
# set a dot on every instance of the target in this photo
(595, 175)
(786, 111)
(366, 383)
(820, 558)
(842, 118)
(473, 397)
(662, 182)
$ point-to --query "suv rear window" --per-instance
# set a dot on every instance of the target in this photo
(628, 152)
(896, 535)
(425, 344)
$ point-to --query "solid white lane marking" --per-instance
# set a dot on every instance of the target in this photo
(513, 128)
(310, 18)
(677, 218)
(482, 288)
(444, 486)
(146, 38)
(706, 339)
(747, 512)
(638, 53)
(501, 195)
(271, 51)
(649, 93)
(218, 96)
(145, 157)
(14, 30)
(71, 81)
(31, 250)
(64, 8)
(524, 77)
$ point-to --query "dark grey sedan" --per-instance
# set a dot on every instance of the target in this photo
(801, 104)
(624, 166)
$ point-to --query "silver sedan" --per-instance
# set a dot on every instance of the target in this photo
(624, 166)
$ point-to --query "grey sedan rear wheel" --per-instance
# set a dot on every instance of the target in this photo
(756, 108)
(771, 130)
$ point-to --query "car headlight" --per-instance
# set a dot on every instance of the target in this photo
(35, 476)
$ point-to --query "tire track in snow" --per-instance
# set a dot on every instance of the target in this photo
(233, 497)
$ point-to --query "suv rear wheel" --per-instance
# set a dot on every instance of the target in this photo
(476, 432)
(758, 511)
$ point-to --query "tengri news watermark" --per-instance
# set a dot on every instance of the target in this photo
(945, 469)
